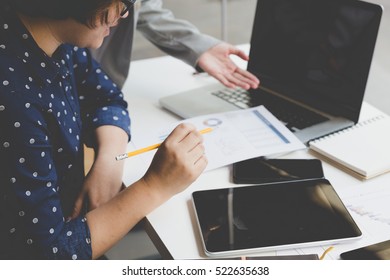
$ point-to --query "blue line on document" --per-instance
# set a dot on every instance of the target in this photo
(277, 132)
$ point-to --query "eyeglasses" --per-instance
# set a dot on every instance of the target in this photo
(127, 6)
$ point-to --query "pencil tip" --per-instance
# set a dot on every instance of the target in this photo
(120, 157)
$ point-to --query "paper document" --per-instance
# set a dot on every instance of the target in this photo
(236, 136)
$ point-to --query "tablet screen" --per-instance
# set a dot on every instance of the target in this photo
(272, 216)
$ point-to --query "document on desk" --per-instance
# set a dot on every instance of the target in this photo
(235, 136)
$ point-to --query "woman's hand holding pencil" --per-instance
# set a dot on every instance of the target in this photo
(179, 160)
(152, 147)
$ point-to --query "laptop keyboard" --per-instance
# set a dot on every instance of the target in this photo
(293, 116)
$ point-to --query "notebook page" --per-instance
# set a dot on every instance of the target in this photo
(363, 148)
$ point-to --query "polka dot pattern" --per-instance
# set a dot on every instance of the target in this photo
(42, 140)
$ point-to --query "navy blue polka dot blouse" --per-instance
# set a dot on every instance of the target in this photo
(49, 107)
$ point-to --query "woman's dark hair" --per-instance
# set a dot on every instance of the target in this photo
(84, 11)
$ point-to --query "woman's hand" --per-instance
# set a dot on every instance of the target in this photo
(177, 163)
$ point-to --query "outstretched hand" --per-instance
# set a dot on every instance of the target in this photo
(217, 62)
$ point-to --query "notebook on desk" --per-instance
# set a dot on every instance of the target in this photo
(313, 59)
(360, 150)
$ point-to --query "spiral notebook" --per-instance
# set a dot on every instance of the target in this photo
(362, 150)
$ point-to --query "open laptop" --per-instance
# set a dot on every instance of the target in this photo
(312, 58)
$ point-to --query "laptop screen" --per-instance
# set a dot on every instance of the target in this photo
(317, 52)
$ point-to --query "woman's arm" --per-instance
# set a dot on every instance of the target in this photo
(177, 163)
(104, 180)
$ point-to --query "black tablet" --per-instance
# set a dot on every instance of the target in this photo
(244, 220)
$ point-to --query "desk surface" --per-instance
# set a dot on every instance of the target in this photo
(172, 226)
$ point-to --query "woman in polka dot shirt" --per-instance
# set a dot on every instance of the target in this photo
(54, 98)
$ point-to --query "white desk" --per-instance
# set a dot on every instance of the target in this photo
(172, 226)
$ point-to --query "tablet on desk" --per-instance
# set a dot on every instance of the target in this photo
(245, 220)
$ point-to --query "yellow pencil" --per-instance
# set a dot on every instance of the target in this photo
(152, 147)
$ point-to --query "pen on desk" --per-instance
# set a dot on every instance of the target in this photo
(326, 252)
(152, 147)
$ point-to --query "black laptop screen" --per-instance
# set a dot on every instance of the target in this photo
(318, 52)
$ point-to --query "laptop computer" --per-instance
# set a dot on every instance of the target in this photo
(312, 58)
